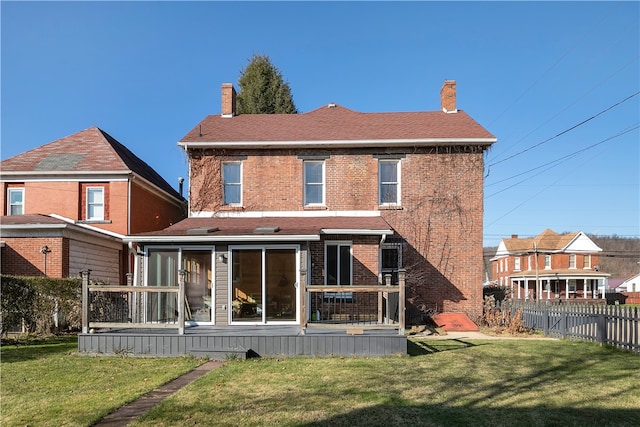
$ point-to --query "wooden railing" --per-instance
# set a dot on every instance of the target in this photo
(381, 306)
(122, 306)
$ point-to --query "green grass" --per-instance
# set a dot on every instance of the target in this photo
(46, 384)
(443, 383)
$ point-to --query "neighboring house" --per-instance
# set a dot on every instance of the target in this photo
(549, 266)
(632, 284)
(73, 200)
(332, 197)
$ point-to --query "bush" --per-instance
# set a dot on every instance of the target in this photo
(41, 305)
(502, 320)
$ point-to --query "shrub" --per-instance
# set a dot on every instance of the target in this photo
(41, 304)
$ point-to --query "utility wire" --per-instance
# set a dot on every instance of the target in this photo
(556, 162)
(566, 130)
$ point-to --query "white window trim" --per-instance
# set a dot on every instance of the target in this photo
(547, 266)
(89, 218)
(9, 205)
(572, 261)
(398, 183)
(304, 183)
(241, 183)
(327, 243)
(516, 264)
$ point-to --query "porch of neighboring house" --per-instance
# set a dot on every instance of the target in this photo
(558, 288)
(340, 321)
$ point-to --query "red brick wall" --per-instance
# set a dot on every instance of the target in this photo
(22, 256)
(150, 212)
(440, 217)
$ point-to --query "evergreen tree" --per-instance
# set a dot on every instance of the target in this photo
(262, 89)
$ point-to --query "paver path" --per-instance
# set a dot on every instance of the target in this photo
(126, 414)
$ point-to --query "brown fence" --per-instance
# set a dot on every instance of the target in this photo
(605, 324)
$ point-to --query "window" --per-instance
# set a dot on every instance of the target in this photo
(586, 263)
(529, 262)
(389, 182)
(232, 183)
(313, 183)
(16, 201)
(95, 203)
(516, 264)
(390, 262)
(338, 263)
(572, 260)
(547, 262)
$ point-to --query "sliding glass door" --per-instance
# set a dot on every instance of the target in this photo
(264, 284)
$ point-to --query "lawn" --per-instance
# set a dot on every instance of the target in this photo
(443, 383)
(46, 384)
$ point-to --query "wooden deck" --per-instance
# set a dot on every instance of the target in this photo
(244, 341)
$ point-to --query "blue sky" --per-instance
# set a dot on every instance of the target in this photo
(148, 72)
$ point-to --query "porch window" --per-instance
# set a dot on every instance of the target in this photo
(572, 260)
(390, 262)
(314, 182)
(232, 183)
(587, 261)
(389, 182)
(95, 203)
(264, 284)
(162, 270)
(338, 264)
(16, 201)
(547, 262)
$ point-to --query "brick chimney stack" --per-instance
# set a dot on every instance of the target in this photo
(228, 100)
(448, 97)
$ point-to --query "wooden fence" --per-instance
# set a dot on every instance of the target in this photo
(604, 324)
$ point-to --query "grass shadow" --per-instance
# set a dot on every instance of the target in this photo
(23, 349)
(417, 347)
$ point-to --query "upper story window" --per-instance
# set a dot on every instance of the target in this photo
(313, 182)
(572, 260)
(516, 264)
(15, 198)
(95, 203)
(586, 263)
(389, 182)
(547, 262)
(232, 183)
(529, 262)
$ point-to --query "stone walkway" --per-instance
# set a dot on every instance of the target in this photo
(126, 414)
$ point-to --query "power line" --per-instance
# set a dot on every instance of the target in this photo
(566, 130)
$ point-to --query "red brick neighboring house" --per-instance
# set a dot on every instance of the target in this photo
(550, 266)
(329, 197)
(73, 201)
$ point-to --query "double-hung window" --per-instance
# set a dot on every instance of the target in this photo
(572, 261)
(232, 183)
(313, 182)
(586, 263)
(516, 264)
(389, 182)
(95, 203)
(547, 262)
(16, 201)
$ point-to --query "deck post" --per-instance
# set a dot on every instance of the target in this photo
(401, 296)
(85, 301)
(181, 305)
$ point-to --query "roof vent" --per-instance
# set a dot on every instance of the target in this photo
(332, 105)
(267, 229)
(202, 230)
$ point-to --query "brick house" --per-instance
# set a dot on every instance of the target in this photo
(550, 266)
(330, 197)
(68, 205)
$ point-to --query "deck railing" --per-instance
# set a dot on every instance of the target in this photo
(381, 306)
(109, 306)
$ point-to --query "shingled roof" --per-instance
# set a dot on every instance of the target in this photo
(91, 150)
(336, 125)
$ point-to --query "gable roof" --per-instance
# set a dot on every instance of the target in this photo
(548, 241)
(338, 126)
(283, 228)
(92, 151)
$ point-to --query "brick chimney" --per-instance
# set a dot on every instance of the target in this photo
(448, 97)
(228, 100)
